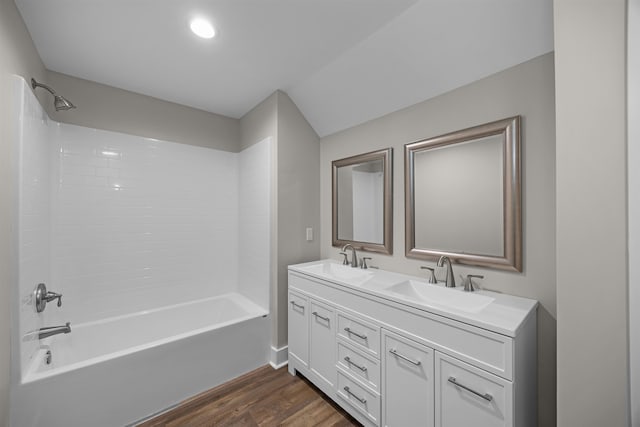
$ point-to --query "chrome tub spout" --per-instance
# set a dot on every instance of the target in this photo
(54, 330)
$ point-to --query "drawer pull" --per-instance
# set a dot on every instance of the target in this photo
(315, 313)
(486, 396)
(351, 362)
(361, 336)
(297, 305)
(395, 353)
(358, 398)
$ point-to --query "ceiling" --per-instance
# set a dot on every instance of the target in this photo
(343, 62)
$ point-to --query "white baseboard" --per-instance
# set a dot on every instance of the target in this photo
(279, 357)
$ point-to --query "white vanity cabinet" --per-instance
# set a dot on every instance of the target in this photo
(393, 364)
(299, 329)
(408, 382)
(469, 396)
(322, 344)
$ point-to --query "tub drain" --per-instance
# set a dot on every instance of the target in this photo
(47, 357)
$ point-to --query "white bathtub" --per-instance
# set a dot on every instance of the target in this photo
(121, 370)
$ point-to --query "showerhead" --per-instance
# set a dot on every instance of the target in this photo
(59, 101)
(62, 103)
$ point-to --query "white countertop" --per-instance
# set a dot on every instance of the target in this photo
(500, 313)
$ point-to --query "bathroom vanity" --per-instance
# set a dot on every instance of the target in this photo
(396, 351)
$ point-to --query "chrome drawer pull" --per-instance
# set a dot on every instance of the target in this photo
(315, 313)
(351, 362)
(297, 305)
(349, 331)
(486, 396)
(358, 398)
(395, 353)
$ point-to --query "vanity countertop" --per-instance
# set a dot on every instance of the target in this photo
(497, 312)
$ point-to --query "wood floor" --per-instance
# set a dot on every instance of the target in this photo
(264, 397)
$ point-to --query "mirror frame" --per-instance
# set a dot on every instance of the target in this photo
(511, 258)
(386, 155)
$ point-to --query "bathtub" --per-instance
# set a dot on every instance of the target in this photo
(122, 370)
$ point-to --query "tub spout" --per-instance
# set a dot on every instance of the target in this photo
(54, 330)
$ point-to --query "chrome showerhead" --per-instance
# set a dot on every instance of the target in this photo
(62, 103)
(59, 101)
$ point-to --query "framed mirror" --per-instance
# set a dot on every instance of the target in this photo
(362, 201)
(463, 196)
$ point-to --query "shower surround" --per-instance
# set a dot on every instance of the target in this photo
(125, 227)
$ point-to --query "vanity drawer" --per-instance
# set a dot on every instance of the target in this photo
(359, 397)
(364, 368)
(360, 333)
(466, 395)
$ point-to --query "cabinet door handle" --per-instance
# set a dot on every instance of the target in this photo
(485, 396)
(351, 362)
(297, 305)
(361, 336)
(395, 353)
(315, 313)
(358, 398)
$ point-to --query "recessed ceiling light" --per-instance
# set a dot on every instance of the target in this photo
(202, 28)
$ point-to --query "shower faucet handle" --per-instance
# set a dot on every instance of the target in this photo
(42, 297)
(52, 295)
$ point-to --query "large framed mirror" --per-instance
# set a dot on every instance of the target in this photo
(463, 196)
(362, 201)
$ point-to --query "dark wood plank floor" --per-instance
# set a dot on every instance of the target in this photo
(264, 397)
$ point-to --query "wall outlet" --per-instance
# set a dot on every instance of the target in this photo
(309, 234)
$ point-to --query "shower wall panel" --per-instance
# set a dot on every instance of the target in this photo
(33, 214)
(140, 223)
(254, 235)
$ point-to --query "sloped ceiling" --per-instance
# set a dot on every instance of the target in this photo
(343, 62)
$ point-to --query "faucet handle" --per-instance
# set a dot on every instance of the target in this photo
(345, 261)
(363, 264)
(50, 296)
(468, 283)
(432, 276)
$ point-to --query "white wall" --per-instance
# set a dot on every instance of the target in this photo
(633, 160)
(528, 90)
(591, 216)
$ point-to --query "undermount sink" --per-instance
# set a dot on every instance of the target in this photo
(343, 273)
(431, 294)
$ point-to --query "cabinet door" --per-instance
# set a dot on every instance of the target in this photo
(468, 396)
(322, 345)
(299, 328)
(408, 382)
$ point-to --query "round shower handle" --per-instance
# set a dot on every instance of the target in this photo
(42, 297)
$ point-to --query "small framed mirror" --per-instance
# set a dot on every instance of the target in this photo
(362, 201)
(463, 196)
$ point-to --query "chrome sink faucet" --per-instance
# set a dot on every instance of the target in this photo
(54, 330)
(451, 280)
(354, 256)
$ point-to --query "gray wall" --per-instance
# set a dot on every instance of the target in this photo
(17, 56)
(633, 90)
(593, 372)
(109, 108)
(528, 90)
(260, 123)
(296, 196)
